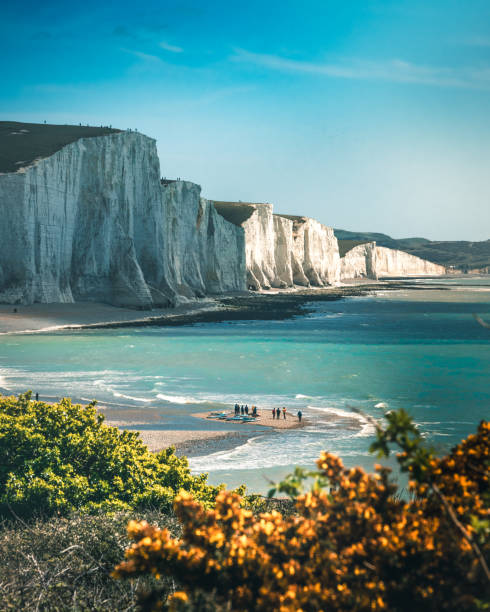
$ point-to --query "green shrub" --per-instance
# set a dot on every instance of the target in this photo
(62, 457)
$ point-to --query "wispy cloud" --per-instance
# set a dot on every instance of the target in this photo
(171, 48)
(394, 70)
(146, 57)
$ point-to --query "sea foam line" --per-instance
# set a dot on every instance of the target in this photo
(180, 399)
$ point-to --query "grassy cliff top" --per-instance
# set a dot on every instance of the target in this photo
(235, 212)
(22, 143)
(346, 245)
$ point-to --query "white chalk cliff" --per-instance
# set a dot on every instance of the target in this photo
(283, 250)
(359, 262)
(93, 222)
(315, 259)
(371, 261)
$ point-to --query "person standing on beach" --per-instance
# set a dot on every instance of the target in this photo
(283, 411)
(300, 414)
(242, 409)
(273, 413)
(246, 408)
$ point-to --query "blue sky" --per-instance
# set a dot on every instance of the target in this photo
(366, 115)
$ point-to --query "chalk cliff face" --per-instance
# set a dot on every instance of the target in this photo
(204, 253)
(260, 248)
(315, 257)
(390, 262)
(371, 261)
(282, 250)
(359, 262)
(92, 222)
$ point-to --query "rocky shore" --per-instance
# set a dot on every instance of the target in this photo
(268, 305)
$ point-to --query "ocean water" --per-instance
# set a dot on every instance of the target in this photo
(417, 349)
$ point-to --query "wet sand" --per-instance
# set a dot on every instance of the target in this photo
(185, 440)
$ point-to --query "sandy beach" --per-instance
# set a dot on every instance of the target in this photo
(264, 418)
(52, 317)
(199, 442)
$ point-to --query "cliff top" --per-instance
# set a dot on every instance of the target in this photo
(23, 143)
(346, 245)
(235, 212)
(293, 217)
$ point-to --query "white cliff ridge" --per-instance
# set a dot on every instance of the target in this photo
(93, 222)
(371, 261)
(282, 250)
(315, 256)
(359, 262)
(392, 262)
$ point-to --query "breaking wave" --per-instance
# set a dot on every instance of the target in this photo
(180, 399)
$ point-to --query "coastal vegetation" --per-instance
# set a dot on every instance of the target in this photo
(338, 539)
(353, 543)
(60, 458)
(39, 140)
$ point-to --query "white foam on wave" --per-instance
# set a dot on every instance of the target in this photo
(3, 382)
(290, 448)
(180, 399)
(301, 396)
(130, 397)
(367, 428)
(381, 405)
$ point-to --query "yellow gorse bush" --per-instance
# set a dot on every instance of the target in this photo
(356, 545)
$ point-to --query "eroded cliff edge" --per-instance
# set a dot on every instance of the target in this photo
(283, 250)
(92, 222)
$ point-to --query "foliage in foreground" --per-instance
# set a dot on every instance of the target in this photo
(61, 458)
(65, 563)
(354, 546)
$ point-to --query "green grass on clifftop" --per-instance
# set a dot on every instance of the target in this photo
(23, 143)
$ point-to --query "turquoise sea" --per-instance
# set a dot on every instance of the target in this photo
(417, 349)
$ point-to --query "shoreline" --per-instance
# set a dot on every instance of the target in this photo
(187, 442)
(191, 442)
(271, 305)
(263, 419)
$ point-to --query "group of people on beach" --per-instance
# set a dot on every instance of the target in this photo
(244, 410)
(276, 412)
